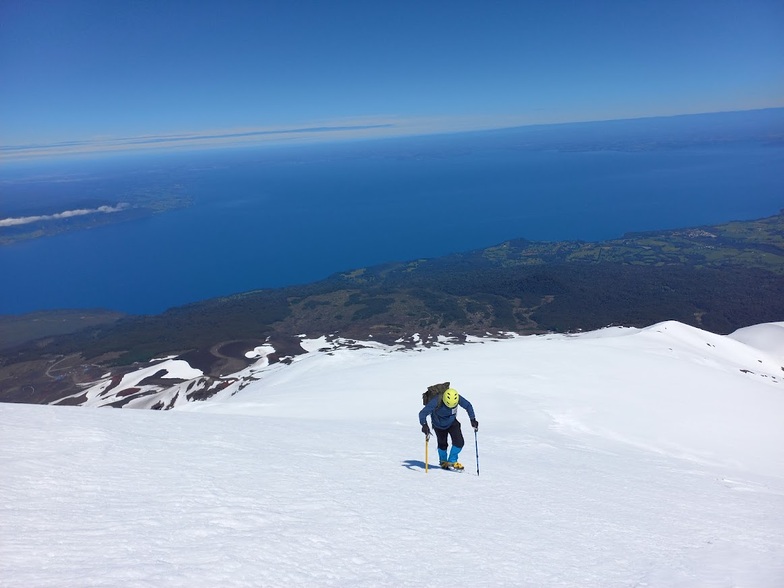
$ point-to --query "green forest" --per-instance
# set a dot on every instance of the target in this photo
(718, 278)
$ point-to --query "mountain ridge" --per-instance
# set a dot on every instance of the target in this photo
(718, 278)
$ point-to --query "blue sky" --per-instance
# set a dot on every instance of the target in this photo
(80, 75)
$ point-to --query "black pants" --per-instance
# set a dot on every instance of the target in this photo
(454, 431)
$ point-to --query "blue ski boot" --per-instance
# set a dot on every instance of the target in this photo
(442, 461)
(452, 462)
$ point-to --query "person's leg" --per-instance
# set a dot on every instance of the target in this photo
(441, 437)
(456, 433)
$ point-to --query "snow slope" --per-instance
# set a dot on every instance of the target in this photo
(622, 457)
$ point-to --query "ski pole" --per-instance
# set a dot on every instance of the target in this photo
(476, 444)
(427, 443)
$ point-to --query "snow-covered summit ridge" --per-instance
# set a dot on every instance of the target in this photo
(756, 351)
(767, 337)
(676, 385)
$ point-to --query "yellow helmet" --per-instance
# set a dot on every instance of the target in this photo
(451, 397)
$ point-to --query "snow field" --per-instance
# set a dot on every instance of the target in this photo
(617, 458)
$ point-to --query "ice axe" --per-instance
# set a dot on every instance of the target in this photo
(427, 444)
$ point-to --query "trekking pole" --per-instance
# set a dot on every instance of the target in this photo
(427, 444)
(476, 444)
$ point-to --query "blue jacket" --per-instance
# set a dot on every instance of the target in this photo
(443, 416)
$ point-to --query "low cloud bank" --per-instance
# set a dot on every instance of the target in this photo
(23, 220)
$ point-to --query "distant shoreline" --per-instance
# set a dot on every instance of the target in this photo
(243, 220)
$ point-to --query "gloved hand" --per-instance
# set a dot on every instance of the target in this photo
(426, 429)
(475, 424)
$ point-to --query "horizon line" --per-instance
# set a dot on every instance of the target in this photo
(338, 130)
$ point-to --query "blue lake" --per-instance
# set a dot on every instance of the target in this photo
(289, 215)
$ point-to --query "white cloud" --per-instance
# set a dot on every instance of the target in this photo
(24, 220)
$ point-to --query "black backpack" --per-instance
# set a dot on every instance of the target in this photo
(433, 391)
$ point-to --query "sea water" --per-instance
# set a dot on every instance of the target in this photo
(262, 218)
